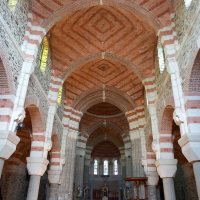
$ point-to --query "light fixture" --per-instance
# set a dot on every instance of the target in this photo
(20, 126)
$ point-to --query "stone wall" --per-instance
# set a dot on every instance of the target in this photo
(188, 53)
(34, 90)
(183, 17)
(167, 93)
(10, 56)
(16, 20)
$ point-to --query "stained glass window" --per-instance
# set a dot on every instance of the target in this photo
(105, 170)
(95, 166)
(115, 168)
(12, 4)
(44, 55)
(60, 96)
(187, 3)
(161, 57)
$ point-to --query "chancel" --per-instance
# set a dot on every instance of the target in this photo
(99, 99)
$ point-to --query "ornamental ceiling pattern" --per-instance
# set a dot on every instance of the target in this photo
(102, 29)
(103, 72)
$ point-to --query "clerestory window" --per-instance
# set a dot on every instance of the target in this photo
(95, 167)
(105, 169)
(115, 167)
(44, 55)
(12, 4)
(187, 3)
(161, 57)
(60, 96)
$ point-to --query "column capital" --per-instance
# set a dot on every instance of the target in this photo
(153, 178)
(36, 166)
(190, 144)
(8, 143)
(54, 177)
(166, 167)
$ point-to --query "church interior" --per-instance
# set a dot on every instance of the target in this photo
(99, 99)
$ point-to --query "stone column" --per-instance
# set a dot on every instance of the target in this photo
(152, 184)
(167, 169)
(196, 168)
(33, 188)
(36, 168)
(1, 165)
(53, 192)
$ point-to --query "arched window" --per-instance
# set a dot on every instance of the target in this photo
(44, 55)
(115, 167)
(95, 167)
(12, 4)
(105, 167)
(161, 57)
(187, 3)
(60, 96)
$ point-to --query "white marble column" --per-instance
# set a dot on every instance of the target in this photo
(168, 184)
(167, 169)
(33, 188)
(196, 168)
(152, 184)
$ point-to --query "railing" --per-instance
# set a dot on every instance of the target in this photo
(137, 180)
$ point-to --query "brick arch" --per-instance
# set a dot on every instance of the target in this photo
(55, 143)
(168, 102)
(95, 96)
(36, 113)
(165, 140)
(6, 78)
(144, 12)
(98, 56)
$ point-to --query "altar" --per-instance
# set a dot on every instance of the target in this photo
(105, 193)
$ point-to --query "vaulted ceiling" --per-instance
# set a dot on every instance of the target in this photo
(102, 29)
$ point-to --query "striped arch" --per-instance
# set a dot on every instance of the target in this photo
(165, 140)
(38, 126)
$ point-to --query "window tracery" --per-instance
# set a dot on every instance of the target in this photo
(60, 96)
(115, 167)
(44, 55)
(105, 167)
(95, 167)
(12, 4)
(161, 57)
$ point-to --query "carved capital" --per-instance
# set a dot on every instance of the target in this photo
(178, 116)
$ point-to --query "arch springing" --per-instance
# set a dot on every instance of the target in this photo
(95, 167)
(12, 4)
(161, 57)
(44, 55)
(115, 167)
(105, 167)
